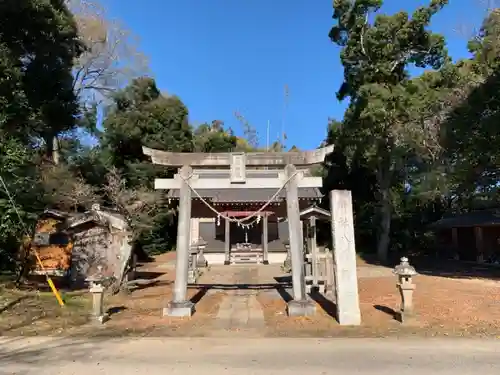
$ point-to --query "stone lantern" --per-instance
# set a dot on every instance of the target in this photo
(200, 259)
(405, 273)
(97, 289)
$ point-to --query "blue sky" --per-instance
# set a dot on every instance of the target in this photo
(222, 56)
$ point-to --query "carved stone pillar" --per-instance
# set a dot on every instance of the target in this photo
(346, 279)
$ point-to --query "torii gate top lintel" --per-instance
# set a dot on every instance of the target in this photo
(226, 159)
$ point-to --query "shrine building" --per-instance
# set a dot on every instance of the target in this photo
(222, 236)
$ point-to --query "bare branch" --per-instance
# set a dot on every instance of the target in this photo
(406, 56)
(136, 205)
(466, 30)
(362, 41)
(249, 131)
(112, 55)
(65, 190)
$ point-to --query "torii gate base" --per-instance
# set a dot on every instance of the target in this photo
(179, 309)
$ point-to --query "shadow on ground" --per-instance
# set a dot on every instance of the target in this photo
(326, 304)
(432, 266)
(281, 286)
(387, 310)
(115, 310)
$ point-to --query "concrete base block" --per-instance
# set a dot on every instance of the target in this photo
(179, 309)
(98, 320)
(348, 319)
(301, 308)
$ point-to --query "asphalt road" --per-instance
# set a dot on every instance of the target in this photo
(235, 356)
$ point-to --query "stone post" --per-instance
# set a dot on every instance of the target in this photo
(300, 305)
(405, 273)
(330, 276)
(265, 239)
(180, 305)
(313, 249)
(192, 265)
(227, 242)
(344, 250)
(97, 291)
(287, 264)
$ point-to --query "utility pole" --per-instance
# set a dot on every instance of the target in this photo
(285, 102)
(267, 135)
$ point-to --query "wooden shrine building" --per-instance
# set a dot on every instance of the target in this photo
(227, 242)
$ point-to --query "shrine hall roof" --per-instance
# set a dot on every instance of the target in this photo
(248, 195)
(480, 218)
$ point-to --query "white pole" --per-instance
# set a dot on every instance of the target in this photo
(267, 135)
(285, 102)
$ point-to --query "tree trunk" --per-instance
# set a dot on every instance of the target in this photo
(52, 148)
(385, 225)
(384, 179)
(56, 155)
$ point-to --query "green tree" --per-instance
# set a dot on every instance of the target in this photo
(214, 138)
(38, 44)
(21, 197)
(381, 121)
(472, 134)
(141, 116)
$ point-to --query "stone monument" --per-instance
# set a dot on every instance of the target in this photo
(344, 250)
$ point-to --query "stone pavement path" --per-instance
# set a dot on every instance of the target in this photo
(240, 310)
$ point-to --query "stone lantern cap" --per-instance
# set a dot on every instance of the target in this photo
(404, 268)
(200, 243)
(98, 277)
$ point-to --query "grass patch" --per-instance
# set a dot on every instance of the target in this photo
(32, 312)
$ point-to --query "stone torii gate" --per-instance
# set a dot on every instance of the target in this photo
(229, 171)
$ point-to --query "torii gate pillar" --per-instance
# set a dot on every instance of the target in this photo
(300, 305)
(180, 305)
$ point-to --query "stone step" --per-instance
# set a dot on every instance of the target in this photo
(246, 254)
(246, 257)
(246, 261)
